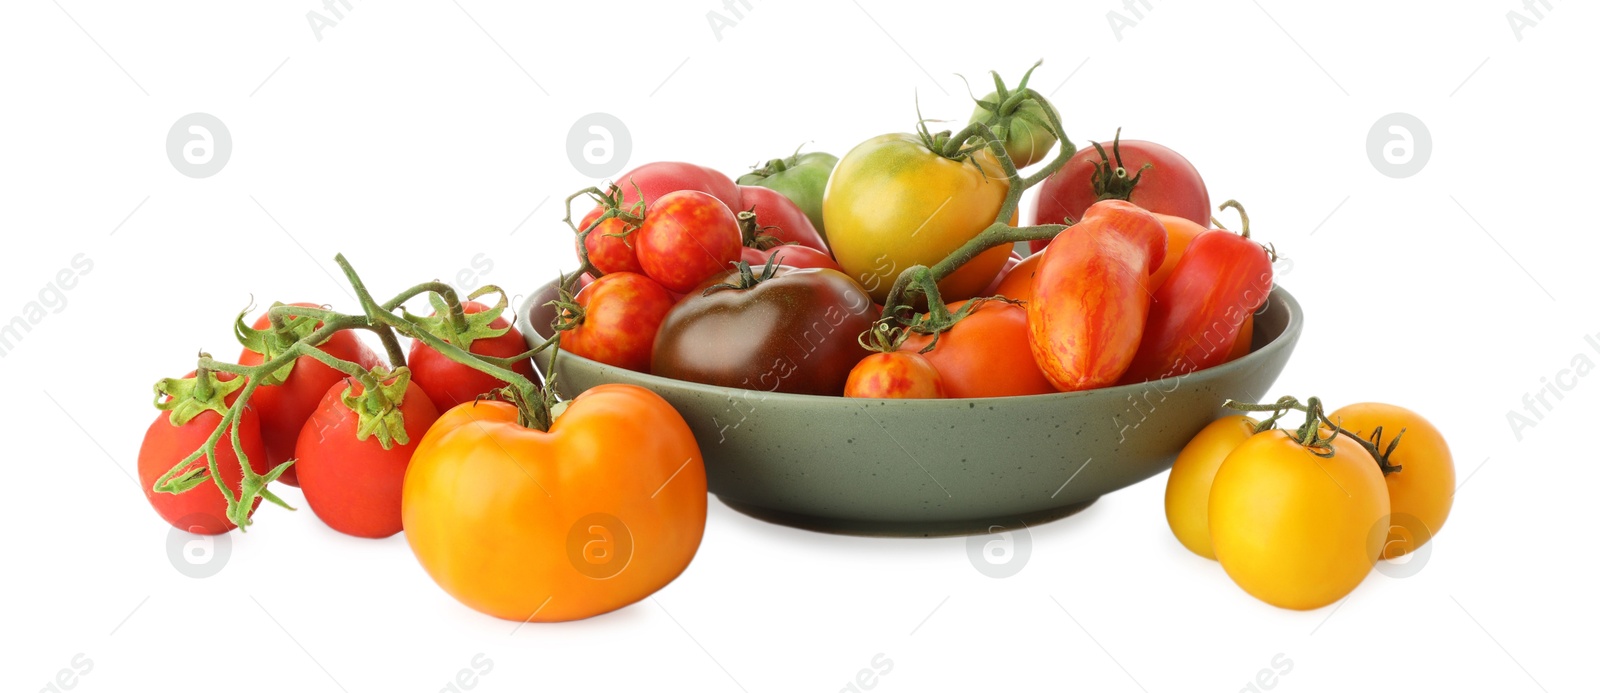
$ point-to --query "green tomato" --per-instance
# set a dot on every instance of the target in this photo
(1025, 130)
(801, 178)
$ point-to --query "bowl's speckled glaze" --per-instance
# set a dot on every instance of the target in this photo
(937, 467)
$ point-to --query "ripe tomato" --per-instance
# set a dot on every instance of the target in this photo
(790, 330)
(1421, 493)
(661, 177)
(353, 452)
(1189, 484)
(1241, 343)
(994, 286)
(449, 383)
(685, 238)
(621, 314)
(609, 253)
(790, 256)
(1180, 233)
(780, 217)
(985, 354)
(1088, 309)
(1170, 186)
(894, 375)
(1017, 284)
(176, 434)
(285, 407)
(892, 203)
(599, 512)
(1294, 529)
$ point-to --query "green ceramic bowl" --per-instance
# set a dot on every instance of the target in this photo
(939, 467)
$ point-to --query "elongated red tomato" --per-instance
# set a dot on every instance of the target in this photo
(353, 453)
(1196, 315)
(285, 407)
(177, 433)
(449, 383)
(620, 315)
(1089, 304)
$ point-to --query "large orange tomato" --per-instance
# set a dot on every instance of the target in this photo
(599, 512)
(986, 354)
(892, 203)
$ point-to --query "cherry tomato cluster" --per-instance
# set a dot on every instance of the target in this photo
(508, 501)
(1299, 518)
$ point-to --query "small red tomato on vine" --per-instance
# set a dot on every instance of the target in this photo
(353, 452)
(286, 399)
(609, 244)
(892, 374)
(481, 331)
(614, 320)
(191, 409)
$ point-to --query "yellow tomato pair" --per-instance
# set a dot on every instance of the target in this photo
(1298, 527)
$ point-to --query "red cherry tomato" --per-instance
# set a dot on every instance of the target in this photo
(448, 383)
(895, 375)
(284, 408)
(354, 485)
(200, 510)
(686, 238)
(1170, 186)
(1087, 313)
(621, 314)
(790, 256)
(780, 217)
(609, 253)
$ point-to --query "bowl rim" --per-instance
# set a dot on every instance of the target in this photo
(1284, 339)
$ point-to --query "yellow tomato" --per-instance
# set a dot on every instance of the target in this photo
(1420, 493)
(892, 203)
(1189, 485)
(1293, 529)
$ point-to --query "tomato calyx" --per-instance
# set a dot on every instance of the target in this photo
(1009, 111)
(884, 337)
(285, 329)
(614, 206)
(186, 398)
(377, 407)
(1318, 432)
(753, 234)
(939, 319)
(747, 279)
(456, 326)
(1113, 182)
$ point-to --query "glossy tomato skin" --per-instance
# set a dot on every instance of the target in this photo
(1180, 233)
(994, 287)
(1189, 484)
(986, 354)
(449, 383)
(1422, 492)
(686, 237)
(796, 332)
(1087, 313)
(200, 510)
(661, 177)
(284, 408)
(780, 217)
(621, 314)
(797, 256)
(1171, 185)
(601, 511)
(892, 203)
(1293, 529)
(609, 253)
(354, 485)
(1196, 314)
(894, 375)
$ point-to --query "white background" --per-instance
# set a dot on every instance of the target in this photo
(414, 136)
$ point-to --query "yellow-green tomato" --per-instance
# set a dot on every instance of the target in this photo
(892, 203)
(1293, 529)
(1189, 484)
(1420, 494)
